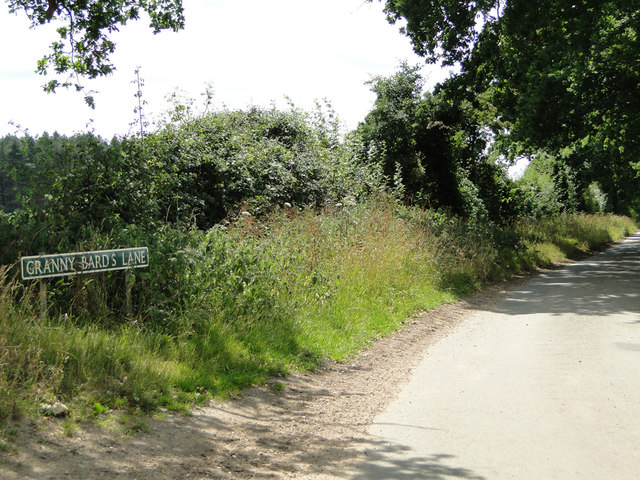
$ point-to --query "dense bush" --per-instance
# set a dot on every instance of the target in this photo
(212, 166)
(61, 192)
(435, 150)
(229, 299)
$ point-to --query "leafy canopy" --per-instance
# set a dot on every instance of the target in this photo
(84, 46)
(563, 77)
(441, 29)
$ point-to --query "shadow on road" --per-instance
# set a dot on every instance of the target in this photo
(605, 284)
(384, 464)
(238, 440)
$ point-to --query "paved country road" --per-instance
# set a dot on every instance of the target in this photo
(544, 385)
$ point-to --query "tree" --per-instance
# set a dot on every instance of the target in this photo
(564, 77)
(432, 147)
(84, 47)
(440, 29)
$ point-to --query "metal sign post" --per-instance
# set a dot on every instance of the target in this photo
(43, 298)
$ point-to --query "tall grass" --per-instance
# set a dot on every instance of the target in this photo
(223, 309)
(571, 235)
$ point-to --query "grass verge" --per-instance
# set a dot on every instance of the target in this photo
(263, 298)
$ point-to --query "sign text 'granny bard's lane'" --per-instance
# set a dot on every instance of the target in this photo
(60, 265)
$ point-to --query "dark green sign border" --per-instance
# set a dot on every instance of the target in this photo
(65, 264)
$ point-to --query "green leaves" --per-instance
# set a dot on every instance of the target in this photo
(444, 30)
(84, 47)
(554, 74)
(433, 147)
(221, 163)
(201, 170)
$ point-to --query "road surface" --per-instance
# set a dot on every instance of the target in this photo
(546, 385)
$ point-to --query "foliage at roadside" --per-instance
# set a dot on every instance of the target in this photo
(276, 243)
(551, 78)
(225, 308)
(435, 150)
(58, 191)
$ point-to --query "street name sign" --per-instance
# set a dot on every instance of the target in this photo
(65, 264)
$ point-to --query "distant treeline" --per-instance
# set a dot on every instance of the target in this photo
(426, 149)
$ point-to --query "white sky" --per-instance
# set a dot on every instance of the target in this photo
(253, 52)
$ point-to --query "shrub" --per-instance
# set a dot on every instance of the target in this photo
(212, 166)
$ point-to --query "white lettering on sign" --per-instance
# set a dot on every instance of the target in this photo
(44, 266)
